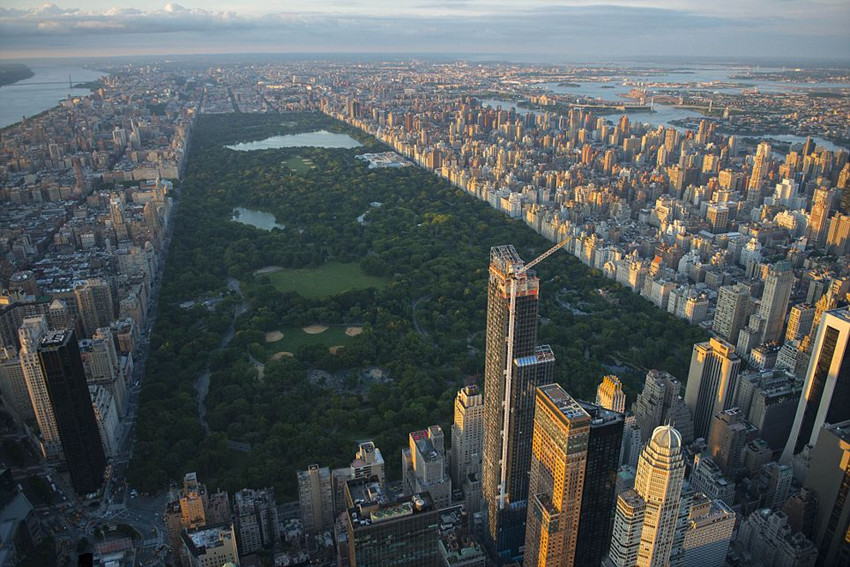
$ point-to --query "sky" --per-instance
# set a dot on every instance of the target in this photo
(551, 29)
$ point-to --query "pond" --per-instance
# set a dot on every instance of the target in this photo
(317, 139)
(257, 219)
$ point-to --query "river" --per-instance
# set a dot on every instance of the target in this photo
(28, 97)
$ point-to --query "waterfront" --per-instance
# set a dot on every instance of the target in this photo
(31, 96)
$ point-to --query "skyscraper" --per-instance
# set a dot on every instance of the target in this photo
(660, 403)
(561, 435)
(610, 394)
(774, 300)
(600, 482)
(65, 378)
(424, 466)
(829, 477)
(30, 335)
(826, 392)
(514, 367)
(316, 498)
(733, 308)
(729, 434)
(659, 479)
(711, 382)
(647, 516)
(256, 519)
(467, 445)
(95, 304)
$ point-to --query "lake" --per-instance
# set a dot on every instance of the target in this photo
(257, 219)
(318, 139)
(28, 97)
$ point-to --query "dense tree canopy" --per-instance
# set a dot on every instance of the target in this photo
(430, 240)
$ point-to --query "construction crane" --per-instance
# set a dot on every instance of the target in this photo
(506, 405)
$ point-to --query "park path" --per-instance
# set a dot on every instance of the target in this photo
(202, 384)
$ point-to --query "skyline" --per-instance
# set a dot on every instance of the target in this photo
(552, 31)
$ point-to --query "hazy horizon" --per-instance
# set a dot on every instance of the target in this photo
(555, 30)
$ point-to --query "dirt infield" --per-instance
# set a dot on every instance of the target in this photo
(353, 331)
(279, 355)
(273, 336)
(315, 329)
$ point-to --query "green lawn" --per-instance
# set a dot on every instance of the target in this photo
(299, 165)
(327, 280)
(294, 338)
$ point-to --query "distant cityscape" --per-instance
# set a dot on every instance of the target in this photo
(721, 196)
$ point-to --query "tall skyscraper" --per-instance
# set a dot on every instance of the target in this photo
(826, 392)
(30, 333)
(800, 320)
(560, 440)
(316, 498)
(650, 513)
(709, 531)
(514, 367)
(600, 482)
(467, 445)
(729, 434)
(711, 382)
(256, 519)
(829, 477)
(610, 394)
(774, 300)
(65, 378)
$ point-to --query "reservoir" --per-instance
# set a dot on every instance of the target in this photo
(318, 139)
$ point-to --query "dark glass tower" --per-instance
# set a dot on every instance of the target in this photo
(65, 378)
(513, 368)
(600, 479)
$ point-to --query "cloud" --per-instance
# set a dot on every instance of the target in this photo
(556, 29)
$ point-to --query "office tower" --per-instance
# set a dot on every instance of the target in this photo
(660, 403)
(838, 235)
(708, 533)
(776, 479)
(95, 304)
(210, 546)
(774, 300)
(600, 482)
(102, 366)
(761, 163)
(65, 379)
(467, 445)
(423, 466)
(560, 440)
(766, 537)
(712, 380)
(800, 320)
(802, 509)
(707, 478)
(773, 408)
(718, 218)
(728, 435)
(13, 386)
(316, 498)
(658, 488)
(610, 394)
(30, 334)
(628, 525)
(194, 502)
(755, 455)
(514, 367)
(829, 478)
(385, 533)
(826, 391)
(733, 308)
(256, 519)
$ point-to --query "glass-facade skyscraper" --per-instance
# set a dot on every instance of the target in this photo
(514, 367)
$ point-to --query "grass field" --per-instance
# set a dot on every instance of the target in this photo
(299, 165)
(295, 337)
(327, 280)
